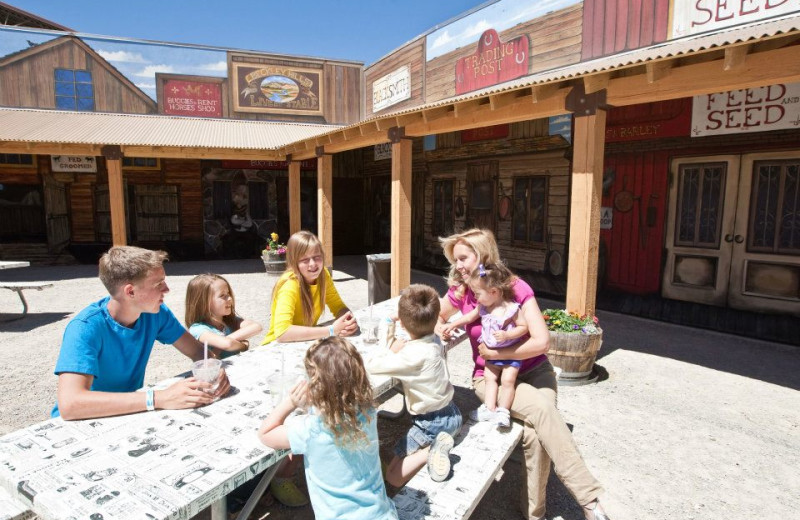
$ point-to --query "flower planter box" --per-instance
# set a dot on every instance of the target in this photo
(574, 353)
(274, 263)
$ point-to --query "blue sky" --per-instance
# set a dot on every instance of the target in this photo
(359, 30)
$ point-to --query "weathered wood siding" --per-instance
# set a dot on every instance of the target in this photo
(30, 81)
(413, 55)
(611, 26)
(555, 41)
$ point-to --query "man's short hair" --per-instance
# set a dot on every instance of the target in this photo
(418, 309)
(121, 265)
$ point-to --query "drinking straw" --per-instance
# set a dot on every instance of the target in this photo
(205, 353)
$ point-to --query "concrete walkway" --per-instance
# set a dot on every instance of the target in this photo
(684, 423)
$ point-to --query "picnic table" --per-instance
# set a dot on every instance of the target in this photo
(166, 464)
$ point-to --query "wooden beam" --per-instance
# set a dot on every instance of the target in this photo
(116, 195)
(498, 101)
(350, 133)
(735, 56)
(385, 124)
(48, 148)
(408, 119)
(596, 82)
(325, 206)
(435, 113)
(401, 216)
(584, 234)
(466, 107)
(294, 197)
(167, 152)
(763, 68)
(323, 140)
(521, 110)
(541, 93)
(657, 70)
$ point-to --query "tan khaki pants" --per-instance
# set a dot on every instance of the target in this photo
(545, 438)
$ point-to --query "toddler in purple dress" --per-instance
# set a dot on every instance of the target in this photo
(502, 325)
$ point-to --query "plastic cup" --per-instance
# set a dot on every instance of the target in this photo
(279, 385)
(207, 370)
(369, 330)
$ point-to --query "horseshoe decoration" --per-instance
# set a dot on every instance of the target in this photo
(488, 39)
(519, 57)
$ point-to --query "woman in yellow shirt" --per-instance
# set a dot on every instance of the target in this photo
(301, 293)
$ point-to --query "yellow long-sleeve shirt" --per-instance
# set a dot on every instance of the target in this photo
(287, 307)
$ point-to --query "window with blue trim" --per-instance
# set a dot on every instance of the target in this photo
(74, 90)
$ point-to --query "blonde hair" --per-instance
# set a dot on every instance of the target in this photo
(482, 243)
(494, 276)
(121, 265)
(418, 309)
(198, 301)
(339, 388)
(297, 246)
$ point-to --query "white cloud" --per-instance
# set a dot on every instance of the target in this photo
(145, 86)
(441, 40)
(122, 56)
(474, 30)
(220, 66)
(150, 70)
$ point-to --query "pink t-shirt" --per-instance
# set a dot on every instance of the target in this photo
(522, 293)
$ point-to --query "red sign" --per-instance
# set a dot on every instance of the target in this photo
(484, 134)
(652, 129)
(308, 164)
(493, 62)
(192, 98)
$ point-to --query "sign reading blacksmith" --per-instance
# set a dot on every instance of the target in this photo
(493, 62)
(276, 89)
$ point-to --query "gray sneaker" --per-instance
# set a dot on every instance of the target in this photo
(439, 457)
(481, 414)
(502, 418)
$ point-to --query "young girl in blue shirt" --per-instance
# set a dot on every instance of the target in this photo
(338, 438)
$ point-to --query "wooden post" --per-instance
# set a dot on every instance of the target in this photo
(325, 203)
(116, 194)
(401, 210)
(587, 178)
(294, 196)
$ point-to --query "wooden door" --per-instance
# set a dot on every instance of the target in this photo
(56, 214)
(702, 210)
(348, 217)
(765, 267)
(482, 194)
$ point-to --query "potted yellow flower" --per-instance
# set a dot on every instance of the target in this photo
(574, 342)
(274, 255)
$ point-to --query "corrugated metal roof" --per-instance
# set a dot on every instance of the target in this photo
(56, 126)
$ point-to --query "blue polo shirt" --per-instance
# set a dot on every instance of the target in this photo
(97, 345)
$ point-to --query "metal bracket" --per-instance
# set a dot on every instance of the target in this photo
(396, 134)
(319, 151)
(582, 104)
(111, 151)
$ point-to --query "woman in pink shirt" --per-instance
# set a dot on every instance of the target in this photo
(545, 437)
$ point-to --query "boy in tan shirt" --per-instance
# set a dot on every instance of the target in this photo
(421, 368)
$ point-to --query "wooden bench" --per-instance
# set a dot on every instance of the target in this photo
(18, 287)
(479, 453)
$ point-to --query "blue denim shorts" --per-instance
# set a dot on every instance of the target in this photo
(427, 426)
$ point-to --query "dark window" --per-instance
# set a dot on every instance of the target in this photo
(699, 216)
(145, 163)
(259, 203)
(16, 159)
(222, 203)
(74, 90)
(443, 207)
(774, 224)
(530, 209)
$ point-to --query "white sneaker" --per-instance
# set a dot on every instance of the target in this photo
(502, 418)
(481, 414)
(439, 457)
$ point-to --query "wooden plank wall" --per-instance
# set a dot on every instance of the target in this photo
(555, 42)
(413, 55)
(30, 82)
(611, 26)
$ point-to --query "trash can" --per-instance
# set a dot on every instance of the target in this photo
(379, 277)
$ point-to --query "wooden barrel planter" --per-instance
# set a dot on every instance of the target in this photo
(574, 354)
(274, 264)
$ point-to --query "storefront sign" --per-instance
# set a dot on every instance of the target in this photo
(391, 88)
(776, 107)
(383, 151)
(308, 164)
(192, 98)
(484, 134)
(606, 217)
(493, 62)
(696, 16)
(73, 163)
(640, 131)
(277, 89)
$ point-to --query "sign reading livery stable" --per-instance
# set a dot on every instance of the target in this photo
(391, 88)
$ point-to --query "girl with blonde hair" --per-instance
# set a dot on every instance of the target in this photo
(338, 438)
(545, 435)
(301, 294)
(211, 315)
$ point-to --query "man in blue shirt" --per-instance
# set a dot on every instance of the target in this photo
(106, 347)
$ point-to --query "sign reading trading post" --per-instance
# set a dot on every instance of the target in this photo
(192, 98)
(493, 62)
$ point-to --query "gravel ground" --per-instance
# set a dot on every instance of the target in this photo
(683, 423)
